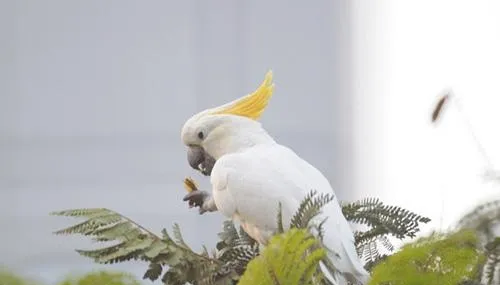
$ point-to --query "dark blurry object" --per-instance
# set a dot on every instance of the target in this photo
(438, 110)
(490, 173)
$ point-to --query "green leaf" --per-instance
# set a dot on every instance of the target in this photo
(492, 262)
(178, 236)
(154, 271)
(133, 242)
(383, 221)
(281, 228)
(101, 277)
(440, 259)
(290, 258)
(309, 208)
(173, 260)
(10, 278)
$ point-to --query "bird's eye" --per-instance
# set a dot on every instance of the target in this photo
(201, 135)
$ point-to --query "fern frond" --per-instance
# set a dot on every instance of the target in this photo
(96, 218)
(178, 236)
(369, 265)
(367, 243)
(244, 238)
(133, 242)
(386, 243)
(492, 263)
(279, 218)
(290, 258)
(482, 219)
(120, 231)
(391, 220)
(235, 250)
(171, 259)
(383, 221)
(309, 208)
(229, 234)
(85, 212)
(154, 272)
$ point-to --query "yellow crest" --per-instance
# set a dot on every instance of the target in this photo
(252, 105)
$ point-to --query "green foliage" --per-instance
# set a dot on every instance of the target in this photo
(473, 246)
(171, 259)
(101, 278)
(470, 255)
(482, 219)
(490, 268)
(9, 278)
(383, 221)
(290, 258)
(440, 259)
(236, 248)
(133, 242)
(309, 208)
(305, 218)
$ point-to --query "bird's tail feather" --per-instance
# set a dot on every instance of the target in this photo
(338, 276)
(358, 274)
(333, 277)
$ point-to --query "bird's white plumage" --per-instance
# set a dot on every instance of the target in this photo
(248, 185)
(253, 174)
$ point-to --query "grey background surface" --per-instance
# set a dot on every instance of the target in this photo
(93, 95)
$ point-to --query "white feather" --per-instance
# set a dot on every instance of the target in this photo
(249, 184)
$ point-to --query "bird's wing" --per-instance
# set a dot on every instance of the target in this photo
(250, 184)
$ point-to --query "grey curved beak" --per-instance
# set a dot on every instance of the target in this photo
(200, 160)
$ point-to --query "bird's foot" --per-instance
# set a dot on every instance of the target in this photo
(200, 199)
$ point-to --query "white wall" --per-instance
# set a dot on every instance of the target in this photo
(93, 95)
(405, 54)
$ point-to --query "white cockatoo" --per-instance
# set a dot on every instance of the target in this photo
(251, 173)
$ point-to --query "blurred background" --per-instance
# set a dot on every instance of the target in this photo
(93, 95)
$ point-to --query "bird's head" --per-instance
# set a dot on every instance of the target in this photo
(229, 128)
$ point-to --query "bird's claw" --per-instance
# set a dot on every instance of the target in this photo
(196, 199)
